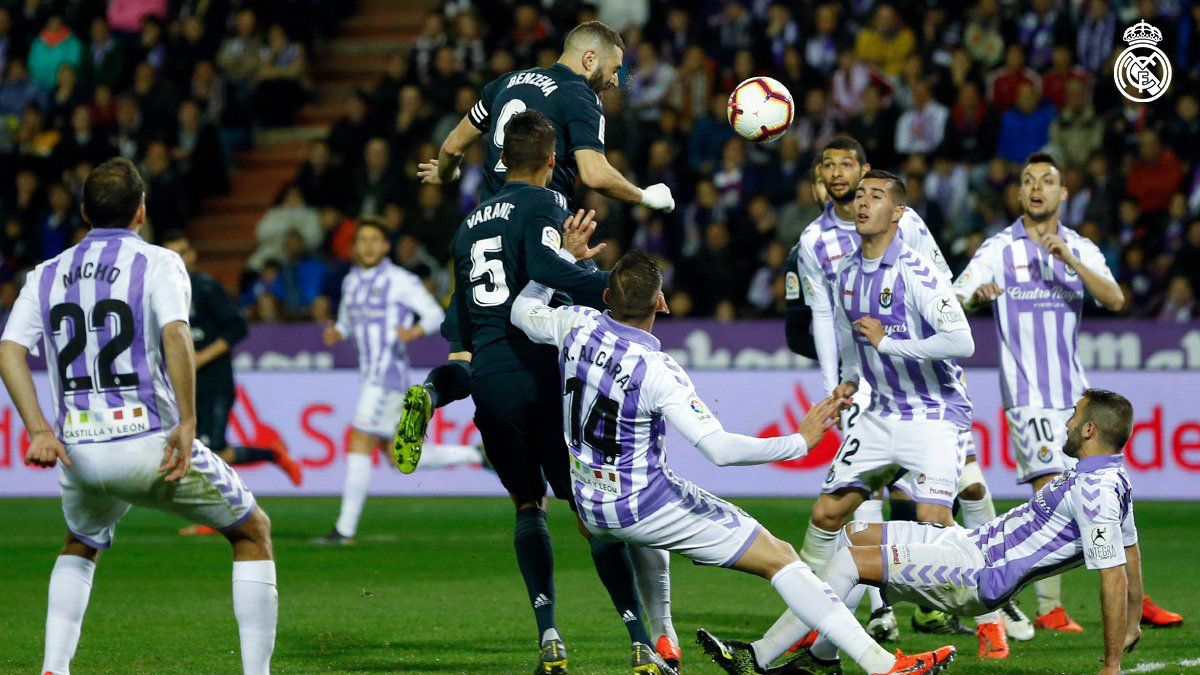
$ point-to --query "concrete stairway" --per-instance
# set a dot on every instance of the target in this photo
(223, 233)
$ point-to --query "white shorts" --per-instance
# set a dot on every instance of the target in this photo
(876, 448)
(379, 410)
(105, 479)
(704, 528)
(932, 565)
(1037, 436)
(909, 482)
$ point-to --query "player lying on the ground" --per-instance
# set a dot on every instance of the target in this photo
(620, 391)
(1083, 516)
(112, 313)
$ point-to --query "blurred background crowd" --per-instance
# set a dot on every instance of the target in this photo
(953, 96)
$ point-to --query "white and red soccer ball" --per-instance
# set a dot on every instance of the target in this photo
(760, 109)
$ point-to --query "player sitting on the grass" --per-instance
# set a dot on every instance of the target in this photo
(620, 390)
(1083, 516)
(216, 327)
(384, 307)
(112, 315)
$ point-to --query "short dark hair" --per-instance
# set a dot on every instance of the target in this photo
(594, 30)
(529, 139)
(372, 221)
(844, 143)
(1112, 414)
(895, 185)
(172, 236)
(1040, 157)
(633, 286)
(112, 194)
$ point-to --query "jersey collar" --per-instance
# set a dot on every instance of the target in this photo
(1097, 462)
(830, 221)
(108, 233)
(890, 255)
(628, 332)
(1019, 232)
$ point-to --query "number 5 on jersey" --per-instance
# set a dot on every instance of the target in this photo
(489, 284)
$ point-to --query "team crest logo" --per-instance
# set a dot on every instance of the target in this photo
(885, 298)
(830, 476)
(1044, 454)
(1142, 72)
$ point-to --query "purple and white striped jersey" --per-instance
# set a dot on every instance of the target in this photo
(1037, 315)
(375, 302)
(913, 301)
(1085, 515)
(828, 240)
(99, 307)
(620, 390)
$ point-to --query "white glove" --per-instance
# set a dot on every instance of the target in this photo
(658, 196)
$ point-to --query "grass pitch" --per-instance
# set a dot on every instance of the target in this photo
(432, 587)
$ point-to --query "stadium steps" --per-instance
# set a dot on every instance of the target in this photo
(224, 233)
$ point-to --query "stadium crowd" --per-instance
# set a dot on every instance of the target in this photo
(175, 87)
(951, 95)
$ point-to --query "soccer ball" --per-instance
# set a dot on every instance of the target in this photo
(760, 109)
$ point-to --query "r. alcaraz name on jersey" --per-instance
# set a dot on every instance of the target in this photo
(1085, 515)
(823, 245)
(376, 302)
(913, 302)
(509, 239)
(100, 307)
(557, 92)
(1037, 314)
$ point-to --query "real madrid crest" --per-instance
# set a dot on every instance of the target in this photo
(1142, 72)
(885, 298)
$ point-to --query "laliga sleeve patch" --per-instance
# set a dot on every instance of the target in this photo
(701, 410)
(791, 286)
(551, 239)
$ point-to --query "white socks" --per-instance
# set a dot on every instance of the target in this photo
(1049, 594)
(652, 573)
(354, 492)
(819, 605)
(256, 606)
(870, 511)
(819, 547)
(443, 455)
(976, 513)
(70, 588)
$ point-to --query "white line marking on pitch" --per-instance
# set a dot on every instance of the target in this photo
(1154, 666)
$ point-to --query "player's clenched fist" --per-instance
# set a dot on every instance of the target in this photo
(45, 450)
(985, 294)
(658, 196)
(818, 420)
(871, 328)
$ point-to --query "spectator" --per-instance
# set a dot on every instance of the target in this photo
(1155, 175)
(821, 48)
(761, 294)
(469, 48)
(349, 134)
(529, 32)
(709, 135)
(8, 46)
(198, 155)
(291, 214)
(1005, 83)
(241, 53)
(432, 38)
(691, 89)
(413, 124)
(59, 224)
(126, 15)
(729, 179)
(396, 76)
(1077, 132)
(152, 46)
(157, 99)
(921, 128)
(732, 29)
(208, 91)
(1035, 33)
(130, 135)
(375, 182)
(321, 183)
(1096, 36)
(35, 140)
(948, 186)
(1060, 76)
(82, 143)
(300, 277)
(850, 81)
(874, 126)
(1182, 132)
(715, 274)
(782, 31)
(1179, 303)
(1026, 128)
(432, 221)
(984, 34)
(816, 124)
(54, 46)
(166, 201)
(706, 208)
(66, 96)
(18, 91)
(281, 81)
(887, 43)
(104, 60)
(971, 134)
(449, 78)
(649, 88)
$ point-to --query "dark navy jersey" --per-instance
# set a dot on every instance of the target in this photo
(557, 92)
(215, 316)
(509, 239)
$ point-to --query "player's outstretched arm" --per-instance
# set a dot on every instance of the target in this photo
(181, 369)
(1114, 598)
(598, 174)
(728, 449)
(444, 169)
(1134, 594)
(44, 448)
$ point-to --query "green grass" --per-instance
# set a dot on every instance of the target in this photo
(432, 587)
